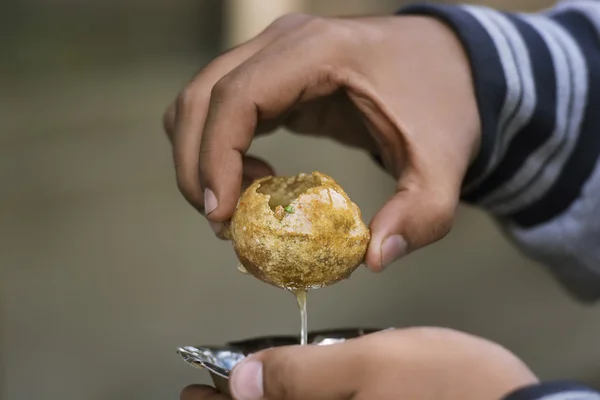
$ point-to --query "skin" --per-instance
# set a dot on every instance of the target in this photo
(427, 363)
(397, 86)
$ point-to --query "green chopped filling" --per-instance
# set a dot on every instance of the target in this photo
(289, 209)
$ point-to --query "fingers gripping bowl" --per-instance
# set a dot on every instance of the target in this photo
(298, 233)
(220, 360)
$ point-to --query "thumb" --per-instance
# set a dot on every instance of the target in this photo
(298, 373)
(417, 215)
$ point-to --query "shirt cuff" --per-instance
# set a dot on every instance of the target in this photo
(554, 391)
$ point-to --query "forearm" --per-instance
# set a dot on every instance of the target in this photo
(537, 84)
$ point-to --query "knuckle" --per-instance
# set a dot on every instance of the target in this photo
(307, 25)
(223, 88)
(288, 21)
(169, 119)
(207, 157)
(335, 33)
(186, 97)
(318, 24)
(443, 210)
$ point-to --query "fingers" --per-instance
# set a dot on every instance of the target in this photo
(184, 121)
(201, 392)
(253, 169)
(266, 86)
(420, 213)
(299, 373)
(191, 107)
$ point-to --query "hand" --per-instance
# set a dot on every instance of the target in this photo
(415, 363)
(398, 86)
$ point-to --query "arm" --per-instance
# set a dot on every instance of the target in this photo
(537, 84)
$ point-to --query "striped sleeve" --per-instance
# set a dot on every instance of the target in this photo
(554, 391)
(537, 83)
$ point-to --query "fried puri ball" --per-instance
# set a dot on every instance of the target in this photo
(298, 233)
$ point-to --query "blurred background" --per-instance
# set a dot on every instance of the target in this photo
(105, 269)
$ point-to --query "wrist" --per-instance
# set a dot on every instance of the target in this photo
(448, 47)
(424, 79)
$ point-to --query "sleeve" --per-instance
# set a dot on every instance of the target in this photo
(554, 391)
(537, 83)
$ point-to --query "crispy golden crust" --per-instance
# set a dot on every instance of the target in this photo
(298, 233)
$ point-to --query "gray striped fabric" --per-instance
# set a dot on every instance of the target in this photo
(537, 82)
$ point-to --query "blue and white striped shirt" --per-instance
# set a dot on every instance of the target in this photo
(537, 83)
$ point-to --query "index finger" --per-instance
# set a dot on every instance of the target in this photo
(192, 106)
(190, 111)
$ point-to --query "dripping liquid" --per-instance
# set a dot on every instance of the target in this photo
(301, 299)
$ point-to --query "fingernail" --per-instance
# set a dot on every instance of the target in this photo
(217, 227)
(393, 248)
(210, 201)
(247, 381)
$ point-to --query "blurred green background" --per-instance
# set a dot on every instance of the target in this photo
(105, 269)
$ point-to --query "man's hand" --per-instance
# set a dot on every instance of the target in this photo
(397, 86)
(415, 363)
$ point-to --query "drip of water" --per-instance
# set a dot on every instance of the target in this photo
(301, 299)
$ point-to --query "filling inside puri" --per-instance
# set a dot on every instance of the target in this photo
(283, 190)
